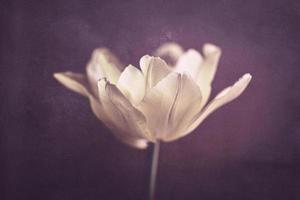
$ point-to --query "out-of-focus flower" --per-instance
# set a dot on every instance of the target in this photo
(163, 101)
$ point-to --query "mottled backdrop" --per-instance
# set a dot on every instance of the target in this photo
(53, 148)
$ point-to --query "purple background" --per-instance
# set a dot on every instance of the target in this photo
(53, 148)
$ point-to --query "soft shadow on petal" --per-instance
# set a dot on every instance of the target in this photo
(157, 103)
(225, 96)
(170, 52)
(129, 123)
(103, 63)
(73, 81)
(208, 69)
(98, 110)
(132, 84)
(102, 116)
(154, 69)
(189, 62)
(169, 104)
(185, 106)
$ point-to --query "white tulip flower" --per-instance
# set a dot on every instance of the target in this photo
(161, 101)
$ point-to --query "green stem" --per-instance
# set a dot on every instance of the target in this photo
(155, 158)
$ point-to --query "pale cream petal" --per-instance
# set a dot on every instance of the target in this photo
(154, 69)
(212, 56)
(224, 97)
(102, 116)
(132, 84)
(186, 105)
(157, 103)
(73, 81)
(98, 110)
(169, 104)
(190, 63)
(103, 63)
(170, 52)
(208, 69)
(129, 123)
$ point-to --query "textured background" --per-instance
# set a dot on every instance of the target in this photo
(53, 148)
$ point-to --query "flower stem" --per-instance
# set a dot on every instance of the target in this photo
(155, 158)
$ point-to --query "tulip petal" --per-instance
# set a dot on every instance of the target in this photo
(208, 69)
(132, 84)
(129, 123)
(78, 83)
(102, 116)
(169, 105)
(73, 81)
(154, 69)
(190, 63)
(225, 96)
(170, 52)
(103, 63)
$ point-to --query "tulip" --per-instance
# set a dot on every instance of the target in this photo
(163, 101)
